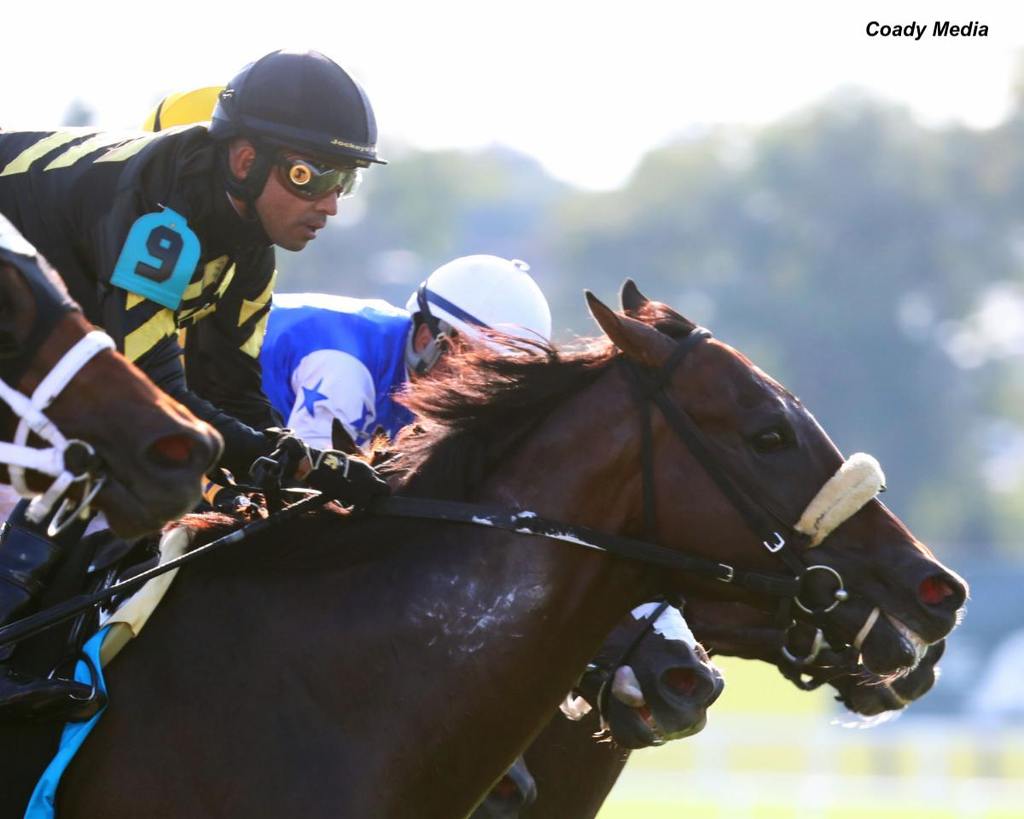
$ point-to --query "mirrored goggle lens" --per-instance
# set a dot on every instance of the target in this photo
(313, 181)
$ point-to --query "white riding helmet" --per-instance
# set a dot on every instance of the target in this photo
(473, 293)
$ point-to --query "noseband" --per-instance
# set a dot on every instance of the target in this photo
(70, 462)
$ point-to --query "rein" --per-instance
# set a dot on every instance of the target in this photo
(529, 523)
(35, 623)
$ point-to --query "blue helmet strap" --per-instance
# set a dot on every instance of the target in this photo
(428, 318)
(423, 361)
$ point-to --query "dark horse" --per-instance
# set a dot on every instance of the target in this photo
(396, 668)
(650, 683)
(571, 775)
(57, 369)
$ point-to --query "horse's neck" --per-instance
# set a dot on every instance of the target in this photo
(461, 638)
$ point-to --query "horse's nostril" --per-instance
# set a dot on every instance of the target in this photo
(682, 681)
(506, 789)
(172, 450)
(935, 590)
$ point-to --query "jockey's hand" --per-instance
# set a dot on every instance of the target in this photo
(347, 480)
(287, 465)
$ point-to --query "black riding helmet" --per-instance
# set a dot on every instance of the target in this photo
(301, 100)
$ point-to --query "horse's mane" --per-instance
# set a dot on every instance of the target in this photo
(481, 401)
(478, 403)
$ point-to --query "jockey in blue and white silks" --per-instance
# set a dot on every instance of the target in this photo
(331, 357)
(327, 357)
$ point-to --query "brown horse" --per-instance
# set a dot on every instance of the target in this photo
(396, 668)
(151, 450)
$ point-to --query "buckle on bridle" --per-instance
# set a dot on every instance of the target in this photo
(730, 572)
(780, 541)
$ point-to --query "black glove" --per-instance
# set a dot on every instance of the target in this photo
(286, 465)
(349, 481)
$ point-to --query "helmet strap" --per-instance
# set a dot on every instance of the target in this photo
(251, 187)
(425, 315)
(422, 362)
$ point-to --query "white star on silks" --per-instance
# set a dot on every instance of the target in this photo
(311, 396)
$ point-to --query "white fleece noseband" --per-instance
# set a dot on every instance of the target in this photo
(856, 482)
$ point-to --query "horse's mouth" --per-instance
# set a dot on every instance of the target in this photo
(891, 648)
(130, 515)
(912, 641)
(636, 727)
(651, 724)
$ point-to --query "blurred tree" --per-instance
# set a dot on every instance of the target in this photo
(78, 114)
(850, 251)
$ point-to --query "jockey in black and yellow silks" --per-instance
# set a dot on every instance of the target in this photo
(80, 198)
(158, 232)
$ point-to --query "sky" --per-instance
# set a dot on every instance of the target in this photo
(586, 88)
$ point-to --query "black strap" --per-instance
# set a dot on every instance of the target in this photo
(527, 523)
(28, 626)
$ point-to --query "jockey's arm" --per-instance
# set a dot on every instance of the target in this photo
(147, 334)
(328, 385)
(222, 349)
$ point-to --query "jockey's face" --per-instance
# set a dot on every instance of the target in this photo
(290, 220)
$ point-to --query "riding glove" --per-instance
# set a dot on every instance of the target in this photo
(349, 481)
(288, 464)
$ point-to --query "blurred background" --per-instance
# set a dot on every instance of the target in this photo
(847, 210)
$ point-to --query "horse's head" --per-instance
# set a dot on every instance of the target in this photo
(731, 465)
(105, 423)
(804, 657)
(651, 682)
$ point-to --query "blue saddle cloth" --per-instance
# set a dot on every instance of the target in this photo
(44, 797)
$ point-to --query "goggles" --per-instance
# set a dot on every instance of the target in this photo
(310, 180)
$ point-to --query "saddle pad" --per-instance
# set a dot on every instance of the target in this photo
(42, 803)
(101, 648)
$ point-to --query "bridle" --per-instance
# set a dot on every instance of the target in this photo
(72, 463)
(789, 542)
(595, 683)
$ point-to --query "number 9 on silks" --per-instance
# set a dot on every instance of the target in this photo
(158, 258)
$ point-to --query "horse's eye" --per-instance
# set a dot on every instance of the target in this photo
(770, 440)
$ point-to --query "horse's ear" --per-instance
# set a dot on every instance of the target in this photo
(630, 297)
(341, 440)
(637, 340)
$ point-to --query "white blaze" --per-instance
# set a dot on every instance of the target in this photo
(670, 624)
